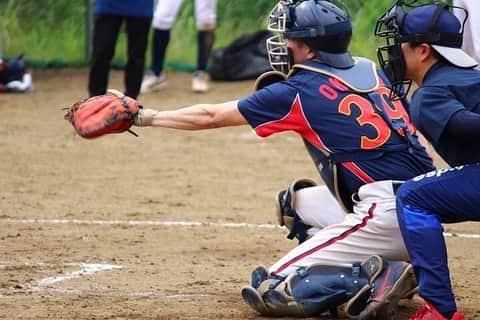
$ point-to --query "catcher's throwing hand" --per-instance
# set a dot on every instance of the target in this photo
(110, 113)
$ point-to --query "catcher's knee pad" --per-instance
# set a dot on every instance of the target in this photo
(285, 209)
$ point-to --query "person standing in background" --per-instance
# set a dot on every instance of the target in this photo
(109, 15)
(471, 37)
(164, 17)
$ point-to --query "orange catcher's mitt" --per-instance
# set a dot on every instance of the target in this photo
(100, 115)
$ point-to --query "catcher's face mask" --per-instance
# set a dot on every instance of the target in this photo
(391, 27)
(280, 57)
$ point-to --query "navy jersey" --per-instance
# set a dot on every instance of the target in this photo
(445, 91)
(130, 8)
(332, 110)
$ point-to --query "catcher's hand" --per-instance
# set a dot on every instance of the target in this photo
(100, 115)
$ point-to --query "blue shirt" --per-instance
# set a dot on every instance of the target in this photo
(446, 90)
(130, 8)
(333, 118)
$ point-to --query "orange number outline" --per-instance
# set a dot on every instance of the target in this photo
(367, 117)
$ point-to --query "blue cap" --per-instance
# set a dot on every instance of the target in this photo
(445, 35)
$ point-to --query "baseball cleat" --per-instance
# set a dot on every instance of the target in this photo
(428, 312)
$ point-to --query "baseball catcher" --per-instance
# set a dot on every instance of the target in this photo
(361, 142)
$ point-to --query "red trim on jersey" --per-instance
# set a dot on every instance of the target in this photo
(358, 172)
(329, 242)
(296, 121)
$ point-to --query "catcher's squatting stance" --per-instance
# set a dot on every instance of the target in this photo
(361, 142)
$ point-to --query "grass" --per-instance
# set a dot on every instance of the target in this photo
(51, 33)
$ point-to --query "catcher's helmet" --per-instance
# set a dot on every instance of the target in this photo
(322, 25)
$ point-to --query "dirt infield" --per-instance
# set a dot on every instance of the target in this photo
(150, 227)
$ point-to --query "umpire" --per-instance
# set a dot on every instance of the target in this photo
(425, 47)
(109, 15)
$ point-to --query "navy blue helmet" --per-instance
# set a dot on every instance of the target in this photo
(325, 27)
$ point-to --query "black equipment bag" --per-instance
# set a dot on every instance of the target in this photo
(245, 58)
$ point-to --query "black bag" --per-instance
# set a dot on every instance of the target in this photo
(245, 58)
(12, 70)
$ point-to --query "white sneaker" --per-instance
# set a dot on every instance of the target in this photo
(152, 83)
(200, 82)
(22, 85)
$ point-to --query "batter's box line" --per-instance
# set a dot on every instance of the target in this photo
(45, 285)
(86, 269)
(176, 224)
(140, 223)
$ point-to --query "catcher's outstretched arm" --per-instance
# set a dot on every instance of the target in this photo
(195, 117)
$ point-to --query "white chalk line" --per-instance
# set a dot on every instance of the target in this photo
(46, 285)
(177, 224)
(86, 269)
(140, 223)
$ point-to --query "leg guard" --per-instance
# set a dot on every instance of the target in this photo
(285, 209)
(310, 291)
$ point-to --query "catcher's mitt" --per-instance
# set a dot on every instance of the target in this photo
(100, 115)
(269, 77)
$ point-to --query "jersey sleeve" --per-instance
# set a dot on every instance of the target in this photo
(431, 109)
(267, 106)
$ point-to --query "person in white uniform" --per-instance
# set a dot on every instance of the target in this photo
(163, 20)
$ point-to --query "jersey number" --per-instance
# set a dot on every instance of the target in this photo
(368, 116)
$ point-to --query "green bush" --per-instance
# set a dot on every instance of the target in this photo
(45, 30)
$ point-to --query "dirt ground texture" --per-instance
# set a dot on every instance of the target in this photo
(84, 230)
